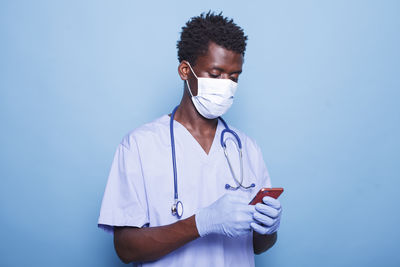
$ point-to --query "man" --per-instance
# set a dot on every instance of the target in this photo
(217, 227)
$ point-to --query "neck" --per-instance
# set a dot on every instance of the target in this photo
(187, 115)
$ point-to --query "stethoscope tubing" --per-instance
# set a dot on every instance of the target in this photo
(171, 129)
(177, 207)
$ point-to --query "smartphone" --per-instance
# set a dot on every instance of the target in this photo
(271, 192)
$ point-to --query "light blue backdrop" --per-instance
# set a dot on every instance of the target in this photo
(319, 93)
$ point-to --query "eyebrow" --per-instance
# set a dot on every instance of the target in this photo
(219, 69)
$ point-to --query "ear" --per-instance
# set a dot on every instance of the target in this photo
(184, 70)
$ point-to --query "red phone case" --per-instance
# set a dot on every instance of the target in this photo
(271, 192)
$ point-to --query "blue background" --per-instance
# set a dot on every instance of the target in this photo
(319, 93)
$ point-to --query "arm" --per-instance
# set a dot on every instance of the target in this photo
(229, 215)
(149, 244)
(262, 243)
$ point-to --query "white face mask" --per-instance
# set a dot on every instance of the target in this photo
(214, 96)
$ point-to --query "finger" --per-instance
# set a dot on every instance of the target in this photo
(275, 227)
(245, 213)
(262, 230)
(250, 208)
(272, 202)
(267, 210)
(244, 207)
(264, 219)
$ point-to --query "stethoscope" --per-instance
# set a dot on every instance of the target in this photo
(177, 207)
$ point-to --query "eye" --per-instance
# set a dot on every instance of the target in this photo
(234, 77)
(213, 75)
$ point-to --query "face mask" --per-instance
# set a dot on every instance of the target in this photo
(214, 96)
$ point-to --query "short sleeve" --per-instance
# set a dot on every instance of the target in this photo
(124, 200)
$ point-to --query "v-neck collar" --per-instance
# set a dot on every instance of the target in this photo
(197, 145)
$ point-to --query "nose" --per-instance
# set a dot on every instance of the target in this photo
(224, 76)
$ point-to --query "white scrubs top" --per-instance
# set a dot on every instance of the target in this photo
(140, 188)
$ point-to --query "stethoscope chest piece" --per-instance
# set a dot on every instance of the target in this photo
(177, 209)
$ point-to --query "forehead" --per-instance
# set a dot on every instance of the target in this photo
(220, 57)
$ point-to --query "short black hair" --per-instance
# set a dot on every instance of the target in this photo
(199, 31)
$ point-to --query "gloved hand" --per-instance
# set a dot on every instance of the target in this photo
(230, 215)
(267, 216)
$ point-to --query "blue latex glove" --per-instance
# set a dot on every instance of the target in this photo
(230, 215)
(267, 216)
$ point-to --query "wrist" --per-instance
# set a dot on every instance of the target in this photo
(202, 223)
(189, 226)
